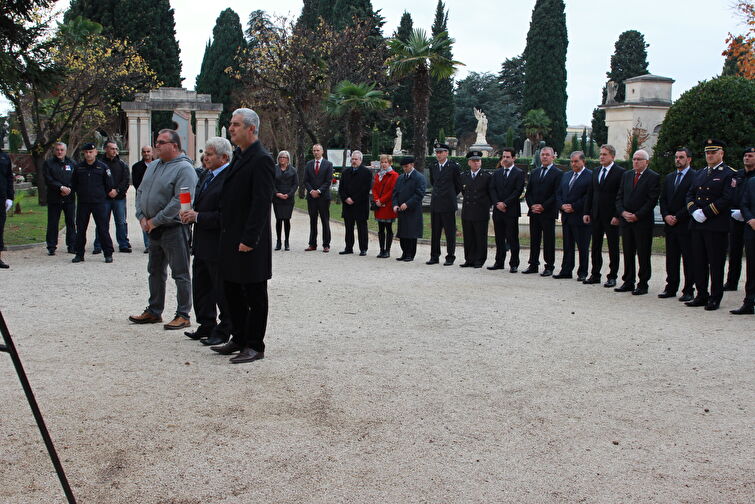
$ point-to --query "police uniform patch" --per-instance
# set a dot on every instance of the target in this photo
(734, 182)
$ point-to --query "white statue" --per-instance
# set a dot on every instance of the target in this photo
(397, 142)
(482, 127)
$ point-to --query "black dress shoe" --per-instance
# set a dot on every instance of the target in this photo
(449, 262)
(466, 265)
(109, 259)
(529, 271)
(685, 297)
(195, 335)
(433, 261)
(730, 286)
(639, 291)
(50, 252)
(697, 302)
(77, 259)
(625, 287)
(5, 266)
(592, 280)
(362, 253)
(496, 266)
(546, 273)
(401, 258)
(246, 355)
(712, 305)
(344, 252)
(745, 309)
(513, 269)
(213, 340)
(478, 265)
(611, 282)
(408, 259)
(560, 276)
(227, 349)
(666, 294)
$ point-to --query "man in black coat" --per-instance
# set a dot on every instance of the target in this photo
(570, 199)
(475, 211)
(446, 182)
(676, 226)
(600, 211)
(407, 203)
(206, 285)
(318, 176)
(709, 202)
(506, 188)
(747, 207)
(58, 171)
(116, 205)
(541, 200)
(245, 238)
(7, 193)
(354, 190)
(737, 225)
(637, 197)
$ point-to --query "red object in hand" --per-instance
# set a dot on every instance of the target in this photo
(185, 198)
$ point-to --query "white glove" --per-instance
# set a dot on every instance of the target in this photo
(8, 204)
(737, 215)
(699, 216)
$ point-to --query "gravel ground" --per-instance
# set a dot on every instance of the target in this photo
(382, 382)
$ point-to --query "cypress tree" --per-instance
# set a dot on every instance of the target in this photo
(545, 67)
(227, 40)
(442, 107)
(629, 59)
(583, 143)
(402, 97)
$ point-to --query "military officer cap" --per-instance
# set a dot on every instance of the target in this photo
(712, 144)
(88, 146)
(441, 147)
(407, 160)
(474, 154)
(749, 150)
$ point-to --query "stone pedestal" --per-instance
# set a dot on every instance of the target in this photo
(486, 149)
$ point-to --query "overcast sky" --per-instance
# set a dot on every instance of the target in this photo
(686, 37)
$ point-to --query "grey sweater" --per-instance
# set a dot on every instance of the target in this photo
(157, 196)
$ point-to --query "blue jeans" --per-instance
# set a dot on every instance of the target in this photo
(118, 208)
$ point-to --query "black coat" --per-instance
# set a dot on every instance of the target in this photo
(206, 238)
(245, 216)
(357, 187)
(411, 192)
(120, 174)
(446, 186)
(286, 182)
(601, 200)
(507, 190)
(543, 192)
(639, 200)
(476, 204)
(91, 183)
(673, 201)
(576, 197)
(714, 195)
(321, 181)
(138, 170)
(58, 173)
(6, 179)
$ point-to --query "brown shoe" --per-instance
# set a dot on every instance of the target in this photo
(326, 249)
(177, 323)
(247, 355)
(227, 349)
(145, 318)
(310, 249)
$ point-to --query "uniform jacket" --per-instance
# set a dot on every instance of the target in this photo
(206, 238)
(576, 196)
(6, 179)
(321, 181)
(507, 190)
(674, 201)
(357, 187)
(543, 192)
(446, 185)
(91, 183)
(382, 190)
(476, 191)
(747, 203)
(245, 216)
(714, 195)
(639, 200)
(410, 190)
(120, 173)
(58, 173)
(600, 203)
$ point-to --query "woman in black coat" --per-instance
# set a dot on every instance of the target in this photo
(286, 184)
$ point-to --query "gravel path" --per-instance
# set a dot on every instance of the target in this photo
(382, 383)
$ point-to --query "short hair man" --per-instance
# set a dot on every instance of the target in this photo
(58, 171)
(245, 239)
(157, 207)
(117, 204)
(137, 174)
(709, 202)
(747, 208)
(475, 211)
(445, 177)
(207, 287)
(635, 202)
(506, 188)
(736, 224)
(407, 203)
(570, 199)
(354, 190)
(318, 176)
(676, 226)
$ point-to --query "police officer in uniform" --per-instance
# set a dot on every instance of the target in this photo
(445, 177)
(737, 224)
(92, 183)
(747, 207)
(475, 211)
(709, 201)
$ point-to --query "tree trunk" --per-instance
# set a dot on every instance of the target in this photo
(421, 97)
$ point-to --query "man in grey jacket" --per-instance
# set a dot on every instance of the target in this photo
(157, 207)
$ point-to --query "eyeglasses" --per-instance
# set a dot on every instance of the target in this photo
(163, 142)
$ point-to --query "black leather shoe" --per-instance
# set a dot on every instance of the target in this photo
(125, 250)
(611, 282)
(697, 302)
(278, 245)
(478, 265)
(97, 251)
(362, 253)
(408, 259)
(213, 340)
(712, 305)
(546, 273)
(344, 252)
(625, 287)
(5, 266)
(433, 261)
(77, 259)
(560, 276)
(666, 294)
(195, 335)
(466, 265)
(686, 297)
(513, 269)
(449, 262)
(529, 271)
(592, 280)
(496, 266)
(109, 259)
(401, 258)
(639, 291)
(730, 286)
(227, 349)
(50, 252)
(745, 309)
(246, 355)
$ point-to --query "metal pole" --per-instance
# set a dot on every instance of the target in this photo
(10, 348)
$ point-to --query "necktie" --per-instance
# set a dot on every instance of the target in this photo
(636, 178)
(207, 182)
(573, 178)
(474, 174)
(542, 175)
(317, 167)
(505, 173)
(678, 179)
(602, 175)
(709, 170)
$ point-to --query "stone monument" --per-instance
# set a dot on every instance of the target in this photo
(397, 142)
(481, 144)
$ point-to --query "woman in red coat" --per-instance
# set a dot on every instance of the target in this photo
(382, 193)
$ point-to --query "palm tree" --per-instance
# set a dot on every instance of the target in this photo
(537, 124)
(422, 58)
(354, 100)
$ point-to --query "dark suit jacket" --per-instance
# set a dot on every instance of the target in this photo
(357, 187)
(58, 173)
(446, 186)
(714, 195)
(747, 203)
(576, 196)
(6, 179)
(673, 201)
(411, 192)
(476, 204)
(507, 190)
(543, 192)
(321, 181)
(206, 238)
(245, 216)
(600, 203)
(639, 200)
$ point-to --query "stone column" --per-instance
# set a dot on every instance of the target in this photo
(133, 138)
(207, 125)
(201, 135)
(139, 133)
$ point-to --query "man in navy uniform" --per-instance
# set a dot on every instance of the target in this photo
(709, 201)
(747, 207)
(737, 225)
(445, 177)
(407, 203)
(570, 199)
(475, 211)
(506, 188)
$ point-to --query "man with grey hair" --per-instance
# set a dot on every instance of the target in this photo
(58, 171)
(157, 207)
(354, 191)
(570, 199)
(207, 288)
(541, 199)
(637, 197)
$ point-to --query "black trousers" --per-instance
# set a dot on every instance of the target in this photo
(209, 299)
(53, 221)
(749, 239)
(319, 207)
(637, 239)
(443, 222)
(282, 225)
(710, 261)
(248, 306)
(679, 249)
(99, 212)
(736, 244)
(385, 235)
(408, 247)
(475, 241)
(543, 228)
(578, 234)
(600, 228)
(349, 222)
(506, 238)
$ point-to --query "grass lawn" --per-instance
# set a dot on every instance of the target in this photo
(30, 226)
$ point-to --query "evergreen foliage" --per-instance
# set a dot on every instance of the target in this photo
(511, 80)
(599, 128)
(482, 91)
(583, 142)
(402, 96)
(629, 59)
(442, 90)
